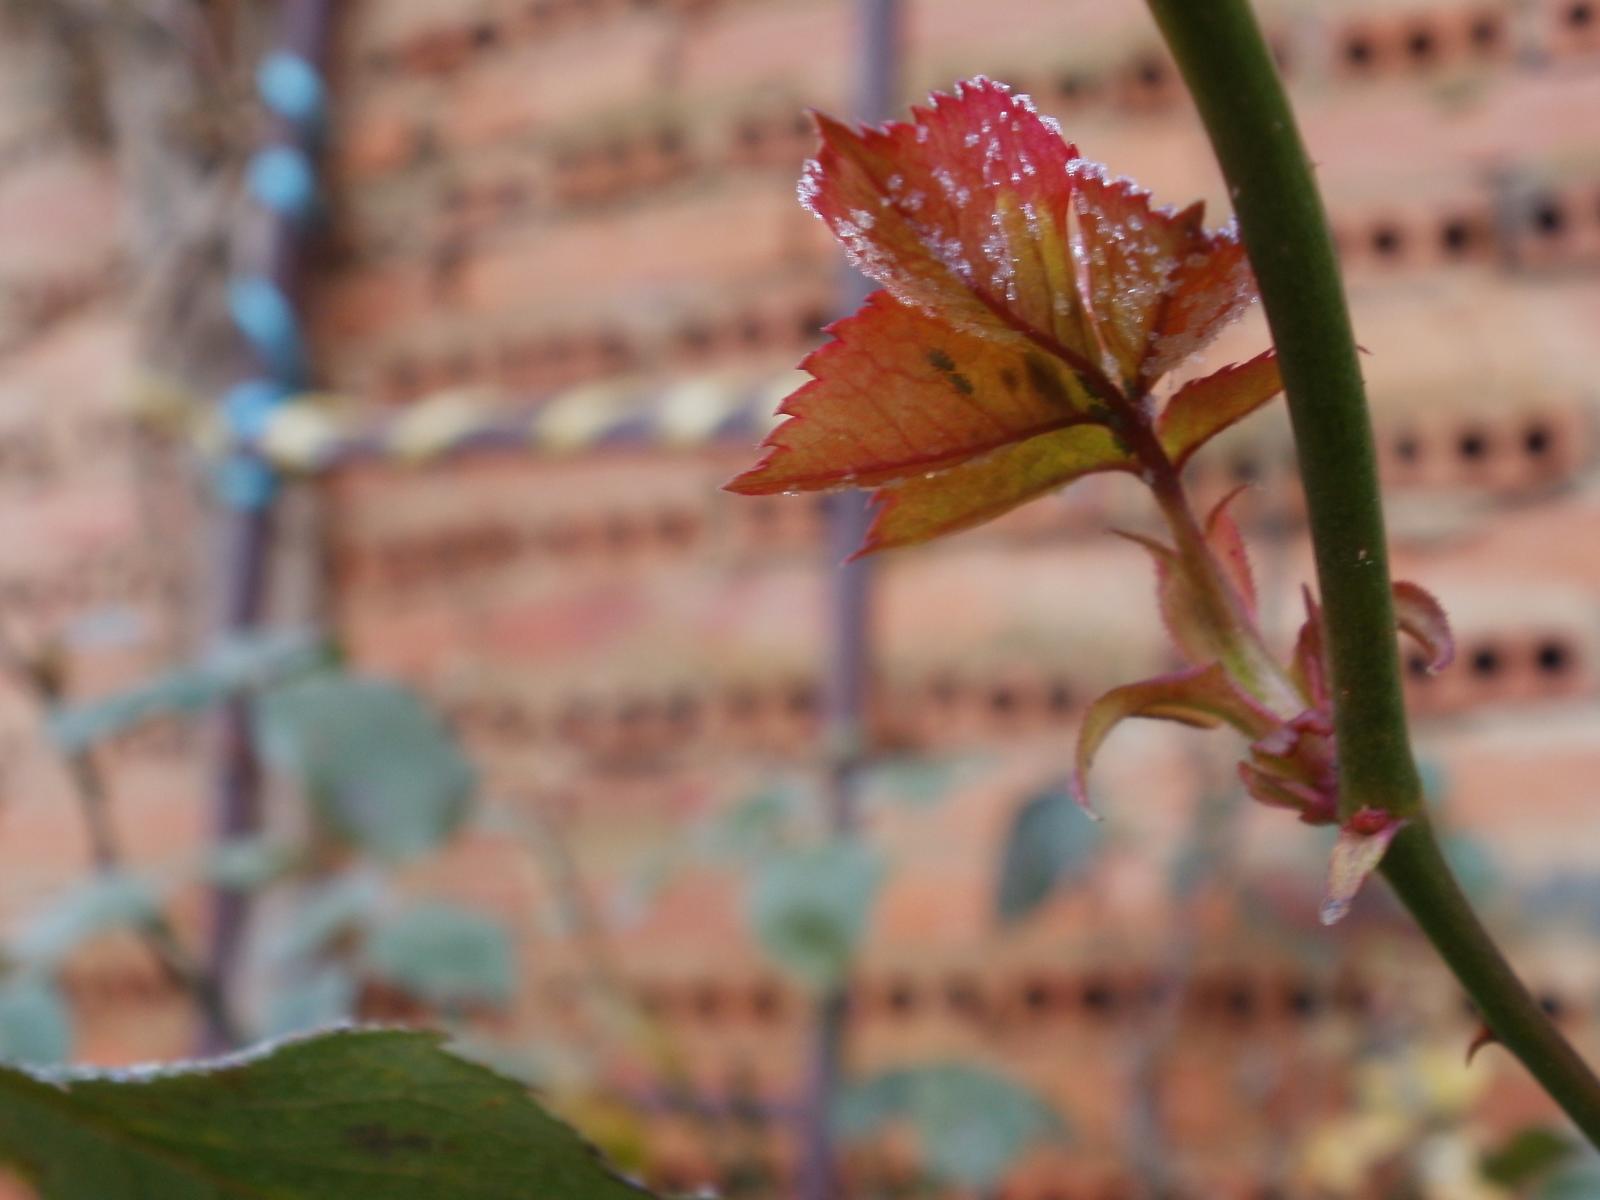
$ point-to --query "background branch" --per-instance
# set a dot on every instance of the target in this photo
(42, 675)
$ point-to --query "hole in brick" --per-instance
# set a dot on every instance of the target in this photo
(1359, 50)
(613, 349)
(632, 714)
(1239, 1000)
(654, 1000)
(682, 710)
(767, 1001)
(695, 338)
(1353, 998)
(801, 700)
(811, 322)
(1485, 662)
(676, 529)
(963, 995)
(1455, 235)
(1301, 1001)
(1098, 996)
(1037, 996)
(576, 720)
(743, 703)
(1484, 32)
(1549, 219)
(1070, 85)
(1553, 657)
(1058, 698)
(708, 1001)
(1421, 44)
(1151, 73)
(1244, 469)
(620, 533)
(1473, 445)
(1387, 241)
(902, 997)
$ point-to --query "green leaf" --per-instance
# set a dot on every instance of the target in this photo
(915, 779)
(1204, 697)
(242, 662)
(1052, 840)
(1526, 1155)
(972, 1124)
(35, 1027)
(444, 955)
(325, 910)
(98, 905)
(250, 863)
(753, 826)
(1203, 408)
(342, 1116)
(809, 908)
(322, 996)
(381, 768)
(1580, 1181)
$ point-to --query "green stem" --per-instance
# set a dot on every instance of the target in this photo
(1228, 68)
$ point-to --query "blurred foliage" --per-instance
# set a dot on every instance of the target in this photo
(1051, 842)
(810, 907)
(445, 955)
(379, 768)
(971, 1124)
(239, 664)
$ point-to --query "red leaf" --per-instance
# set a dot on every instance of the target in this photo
(1227, 544)
(1275, 791)
(1026, 294)
(1181, 609)
(1160, 286)
(1296, 766)
(899, 394)
(1310, 668)
(1201, 696)
(1363, 841)
(962, 213)
(1203, 408)
(967, 495)
(1416, 612)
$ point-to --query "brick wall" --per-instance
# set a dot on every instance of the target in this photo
(531, 198)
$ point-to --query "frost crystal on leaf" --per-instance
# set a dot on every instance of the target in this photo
(1033, 294)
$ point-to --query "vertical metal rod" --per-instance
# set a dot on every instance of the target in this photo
(849, 667)
(245, 547)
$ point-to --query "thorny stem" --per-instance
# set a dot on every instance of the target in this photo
(1228, 68)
